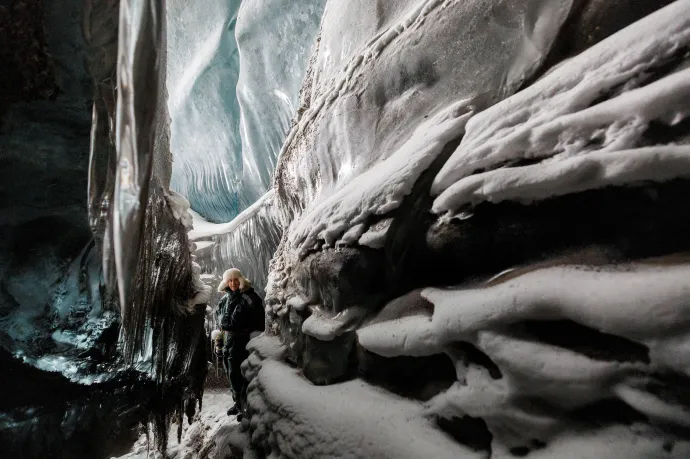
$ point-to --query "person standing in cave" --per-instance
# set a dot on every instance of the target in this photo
(240, 313)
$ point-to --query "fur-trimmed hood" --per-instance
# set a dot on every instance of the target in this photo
(236, 274)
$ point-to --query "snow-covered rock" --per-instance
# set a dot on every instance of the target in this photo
(482, 212)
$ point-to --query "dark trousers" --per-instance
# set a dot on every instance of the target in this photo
(234, 353)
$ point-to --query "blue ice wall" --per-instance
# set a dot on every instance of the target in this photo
(203, 67)
(234, 75)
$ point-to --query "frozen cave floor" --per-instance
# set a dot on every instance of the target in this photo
(211, 435)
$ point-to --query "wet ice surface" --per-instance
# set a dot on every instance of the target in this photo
(387, 91)
(210, 435)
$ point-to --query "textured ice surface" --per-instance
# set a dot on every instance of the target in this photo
(586, 121)
(383, 80)
(275, 39)
(223, 58)
(203, 67)
(247, 242)
(343, 215)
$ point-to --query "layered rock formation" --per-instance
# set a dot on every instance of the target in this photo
(485, 237)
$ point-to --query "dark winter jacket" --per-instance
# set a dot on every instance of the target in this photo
(241, 312)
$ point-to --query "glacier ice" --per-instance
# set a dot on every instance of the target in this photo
(202, 72)
(351, 122)
(582, 131)
(140, 77)
(234, 75)
(275, 39)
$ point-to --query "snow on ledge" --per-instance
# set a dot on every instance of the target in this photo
(595, 170)
(644, 305)
(559, 121)
(205, 229)
(641, 302)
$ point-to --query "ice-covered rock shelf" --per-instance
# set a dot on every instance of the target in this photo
(484, 220)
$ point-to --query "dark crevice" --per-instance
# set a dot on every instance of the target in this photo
(419, 378)
(472, 355)
(675, 430)
(650, 75)
(405, 239)
(583, 340)
(607, 412)
(538, 444)
(671, 387)
(472, 432)
(519, 451)
(329, 362)
(8, 302)
(589, 22)
(518, 235)
(658, 132)
(28, 71)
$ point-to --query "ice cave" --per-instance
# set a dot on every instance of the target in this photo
(463, 220)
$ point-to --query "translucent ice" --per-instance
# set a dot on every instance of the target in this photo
(275, 39)
(202, 74)
(224, 159)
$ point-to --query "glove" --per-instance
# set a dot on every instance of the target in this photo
(218, 348)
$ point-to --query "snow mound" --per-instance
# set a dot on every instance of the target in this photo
(385, 93)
